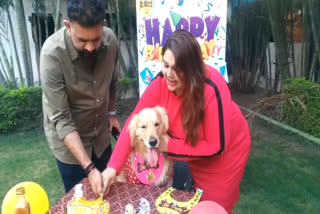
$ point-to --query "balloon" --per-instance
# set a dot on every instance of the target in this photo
(208, 207)
(35, 195)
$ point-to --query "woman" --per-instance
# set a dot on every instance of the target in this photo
(207, 128)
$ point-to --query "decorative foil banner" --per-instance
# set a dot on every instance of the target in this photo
(157, 19)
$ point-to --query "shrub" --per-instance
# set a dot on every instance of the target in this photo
(302, 109)
(126, 84)
(20, 109)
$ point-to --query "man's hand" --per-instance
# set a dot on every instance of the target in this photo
(74, 144)
(109, 177)
(114, 122)
(96, 182)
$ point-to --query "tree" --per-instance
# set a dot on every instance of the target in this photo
(248, 33)
(22, 83)
(313, 8)
(38, 6)
(5, 5)
(278, 13)
(125, 31)
(25, 47)
(57, 16)
(6, 60)
(7, 65)
(283, 20)
(2, 80)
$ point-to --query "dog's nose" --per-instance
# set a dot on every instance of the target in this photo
(153, 141)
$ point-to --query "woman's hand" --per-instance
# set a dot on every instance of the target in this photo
(163, 146)
(108, 177)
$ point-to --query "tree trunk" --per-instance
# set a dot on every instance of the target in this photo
(315, 32)
(306, 53)
(3, 75)
(131, 59)
(38, 47)
(38, 39)
(269, 70)
(118, 34)
(311, 73)
(7, 66)
(4, 71)
(22, 83)
(133, 38)
(46, 25)
(280, 38)
(25, 47)
(57, 16)
(276, 77)
(3, 80)
(53, 7)
(292, 41)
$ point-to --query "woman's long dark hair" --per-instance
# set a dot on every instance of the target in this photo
(190, 68)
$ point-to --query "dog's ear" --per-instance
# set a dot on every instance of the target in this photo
(164, 117)
(132, 127)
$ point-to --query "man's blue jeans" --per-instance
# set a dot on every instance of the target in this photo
(72, 174)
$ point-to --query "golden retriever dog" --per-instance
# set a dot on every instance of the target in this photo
(145, 162)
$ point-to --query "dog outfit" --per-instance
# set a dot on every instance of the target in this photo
(129, 173)
(142, 173)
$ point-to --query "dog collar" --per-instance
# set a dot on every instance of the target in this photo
(145, 173)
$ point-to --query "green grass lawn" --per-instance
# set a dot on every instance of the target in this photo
(26, 157)
(282, 175)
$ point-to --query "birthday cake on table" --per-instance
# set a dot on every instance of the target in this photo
(79, 205)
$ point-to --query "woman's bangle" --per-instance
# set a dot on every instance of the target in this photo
(89, 168)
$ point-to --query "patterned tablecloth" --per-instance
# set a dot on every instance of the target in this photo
(120, 195)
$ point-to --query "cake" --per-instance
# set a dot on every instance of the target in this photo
(78, 205)
(82, 206)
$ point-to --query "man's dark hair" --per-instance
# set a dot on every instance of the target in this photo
(87, 13)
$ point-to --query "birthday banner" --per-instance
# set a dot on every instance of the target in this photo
(157, 19)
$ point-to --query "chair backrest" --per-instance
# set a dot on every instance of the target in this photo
(35, 195)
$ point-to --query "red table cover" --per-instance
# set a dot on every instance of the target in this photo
(120, 195)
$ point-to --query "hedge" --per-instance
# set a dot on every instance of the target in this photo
(302, 109)
(20, 109)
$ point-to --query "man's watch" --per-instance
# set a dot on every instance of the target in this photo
(89, 168)
(112, 113)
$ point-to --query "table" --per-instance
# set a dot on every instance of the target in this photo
(120, 195)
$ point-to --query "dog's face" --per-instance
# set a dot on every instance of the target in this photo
(146, 129)
(148, 125)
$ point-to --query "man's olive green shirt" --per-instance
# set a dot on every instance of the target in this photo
(76, 93)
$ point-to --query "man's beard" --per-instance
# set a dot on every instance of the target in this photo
(89, 58)
(86, 53)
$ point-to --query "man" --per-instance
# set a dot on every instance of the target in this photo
(78, 75)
